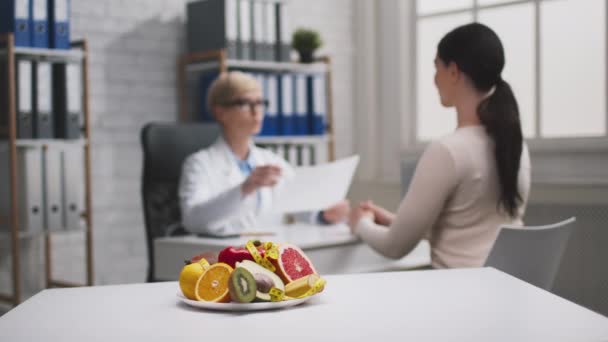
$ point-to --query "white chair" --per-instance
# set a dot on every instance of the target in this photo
(531, 253)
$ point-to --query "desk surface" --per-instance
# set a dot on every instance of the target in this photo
(332, 249)
(456, 305)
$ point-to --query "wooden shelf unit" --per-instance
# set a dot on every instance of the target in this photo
(11, 54)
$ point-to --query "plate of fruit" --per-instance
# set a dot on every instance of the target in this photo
(257, 276)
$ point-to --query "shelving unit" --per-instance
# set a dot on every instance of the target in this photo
(217, 60)
(8, 134)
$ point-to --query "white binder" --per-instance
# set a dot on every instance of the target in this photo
(53, 206)
(270, 31)
(73, 192)
(258, 31)
(301, 126)
(232, 33)
(245, 28)
(29, 188)
(25, 116)
(43, 120)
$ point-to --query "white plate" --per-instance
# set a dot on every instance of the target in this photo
(243, 306)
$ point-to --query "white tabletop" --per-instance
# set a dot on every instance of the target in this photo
(452, 305)
(332, 249)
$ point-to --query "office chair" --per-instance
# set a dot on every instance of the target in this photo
(165, 147)
(532, 253)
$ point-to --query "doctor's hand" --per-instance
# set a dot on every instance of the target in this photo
(381, 215)
(356, 215)
(337, 212)
(267, 175)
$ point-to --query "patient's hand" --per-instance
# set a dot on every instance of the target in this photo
(356, 215)
(381, 215)
(266, 175)
(337, 212)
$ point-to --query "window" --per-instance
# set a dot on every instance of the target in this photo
(555, 53)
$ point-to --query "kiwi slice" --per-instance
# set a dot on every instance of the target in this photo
(242, 286)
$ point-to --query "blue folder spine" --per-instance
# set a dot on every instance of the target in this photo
(15, 18)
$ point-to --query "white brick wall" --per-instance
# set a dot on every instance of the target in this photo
(134, 45)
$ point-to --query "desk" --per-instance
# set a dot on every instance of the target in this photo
(445, 305)
(332, 249)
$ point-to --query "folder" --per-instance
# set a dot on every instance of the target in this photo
(245, 29)
(231, 27)
(72, 170)
(53, 207)
(59, 24)
(270, 34)
(258, 31)
(43, 120)
(67, 100)
(15, 18)
(287, 106)
(29, 188)
(301, 100)
(318, 104)
(283, 33)
(213, 25)
(271, 120)
(39, 23)
(25, 96)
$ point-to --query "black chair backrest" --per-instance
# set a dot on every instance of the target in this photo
(165, 147)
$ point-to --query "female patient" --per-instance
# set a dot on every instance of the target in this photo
(231, 185)
(469, 182)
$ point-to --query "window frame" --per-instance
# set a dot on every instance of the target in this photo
(536, 143)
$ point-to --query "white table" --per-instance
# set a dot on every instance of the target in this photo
(453, 305)
(332, 249)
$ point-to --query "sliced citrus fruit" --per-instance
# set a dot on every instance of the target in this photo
(212, 286)
(189, 276)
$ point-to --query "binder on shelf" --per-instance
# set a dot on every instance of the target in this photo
(283, 37)
(259, 51)
(318, 104)
(43, 108)
(39, 23)
(301, 100)
(269, 32)
(29, 188)
(59, 24)
(53, 207)
(15, 18)
(204, 84)
(213, 25)
(244, 24)
(72, 180)
(286, 105)
(67, 100)
(25, 115)
(271, 119)
(262, 80)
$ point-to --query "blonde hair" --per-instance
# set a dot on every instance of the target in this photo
(228, 86)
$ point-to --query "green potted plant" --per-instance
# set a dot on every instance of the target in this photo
(306, 41)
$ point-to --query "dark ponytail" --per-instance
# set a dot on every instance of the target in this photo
(500, 116)
(478, 53)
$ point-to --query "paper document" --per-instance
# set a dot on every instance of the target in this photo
(317, 187)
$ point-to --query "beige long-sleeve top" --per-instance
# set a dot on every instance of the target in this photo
(452, 200)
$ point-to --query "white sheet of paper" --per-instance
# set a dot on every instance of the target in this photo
(317, 187)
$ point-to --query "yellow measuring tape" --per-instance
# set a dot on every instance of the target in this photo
(258, 258)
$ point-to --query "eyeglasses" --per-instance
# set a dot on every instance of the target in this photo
(243, 104)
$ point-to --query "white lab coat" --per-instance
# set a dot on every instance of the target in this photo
(210, 192)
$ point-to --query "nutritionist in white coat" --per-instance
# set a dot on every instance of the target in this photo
(231, 186)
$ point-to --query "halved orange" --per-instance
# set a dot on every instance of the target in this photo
(212, 285)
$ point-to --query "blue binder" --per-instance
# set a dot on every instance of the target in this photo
(204, 84)
(318, 104)
(59, 23)
(301, 100)
(15, 18)
(39, 23)
(271, 119)
(286, 105)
